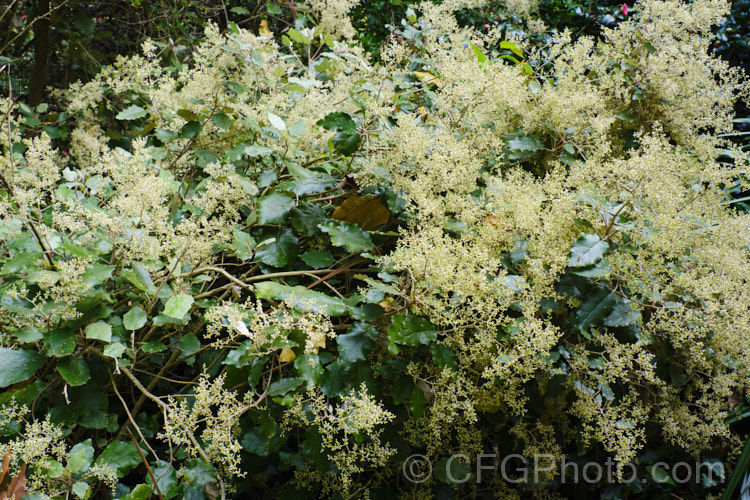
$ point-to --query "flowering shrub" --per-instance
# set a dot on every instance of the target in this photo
(283, 269)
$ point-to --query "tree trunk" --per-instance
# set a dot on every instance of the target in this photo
(41, 45)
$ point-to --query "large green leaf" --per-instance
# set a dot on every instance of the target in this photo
(131, 113)
(97, 274)
(357, 342)
(350, 236)
(597, 305)
(99, 331)
(178, 306)
(346, 143)
(198, 473)
(317, 259)
(277, 248)
(587, 250)
(166, 478)
(306, 218)
(274, 208)
(134, 319)
(347, 139)
(281, 387)
(338, 121)
(411, 330)
(622, 315)
(73, 370)
(60, 342)
(191, 130)
(305, 299)
(221, 120)
(17, 365)
(80, 457)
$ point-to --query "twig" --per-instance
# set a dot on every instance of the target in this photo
(148, 467)
(130, 417)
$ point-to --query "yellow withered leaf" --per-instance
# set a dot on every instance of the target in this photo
(287, 355)
(367, 213)
(264, 31)
(319, 344)
(424, 76)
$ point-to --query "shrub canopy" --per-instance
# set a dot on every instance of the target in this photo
(284, 268)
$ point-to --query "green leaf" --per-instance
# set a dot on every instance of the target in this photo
(99, 331)
(298, 37)
(89, 403)
(166, 478)
(411, 330)
(198, 473)
(18, 365)
(243, 245)
(134, 319)
(221, 120)
(306, 300)
(122, 456)
(178, 306)
(189, 345)
(318, 259)
(523, 146)
(191, 130)
(60, 342)
(346, 143)
(281, 387)
(141, 278)
(96, 274)
(113, 350)
(443, 356)
(622, 315)
(277, 247)
(297, 128)
(83, 22)
(73, 370)
(350, 236)
(166, 136)
(452, 471)
(587, 250)
(627, 117)
(80, 488)
(338, 121)
(29, 335)
(346, 140)
(309, 367)
(153, 346)
(512, 47)
(357, 342)
(660, 475)
(481, 58)
(276, 121)
(306, 217)
(312, 448)
(140, 492)
(274, 208)
(738, 474)
(417, 403)
(131, 113)
(597, 305)
(80, 457)
(526, 143)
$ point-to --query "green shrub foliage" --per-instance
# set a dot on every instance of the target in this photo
(282, 269)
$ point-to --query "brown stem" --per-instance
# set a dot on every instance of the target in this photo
(145, 462)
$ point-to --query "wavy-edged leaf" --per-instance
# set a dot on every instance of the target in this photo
(587, 250)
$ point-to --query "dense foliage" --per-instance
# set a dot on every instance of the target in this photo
(277, 267)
